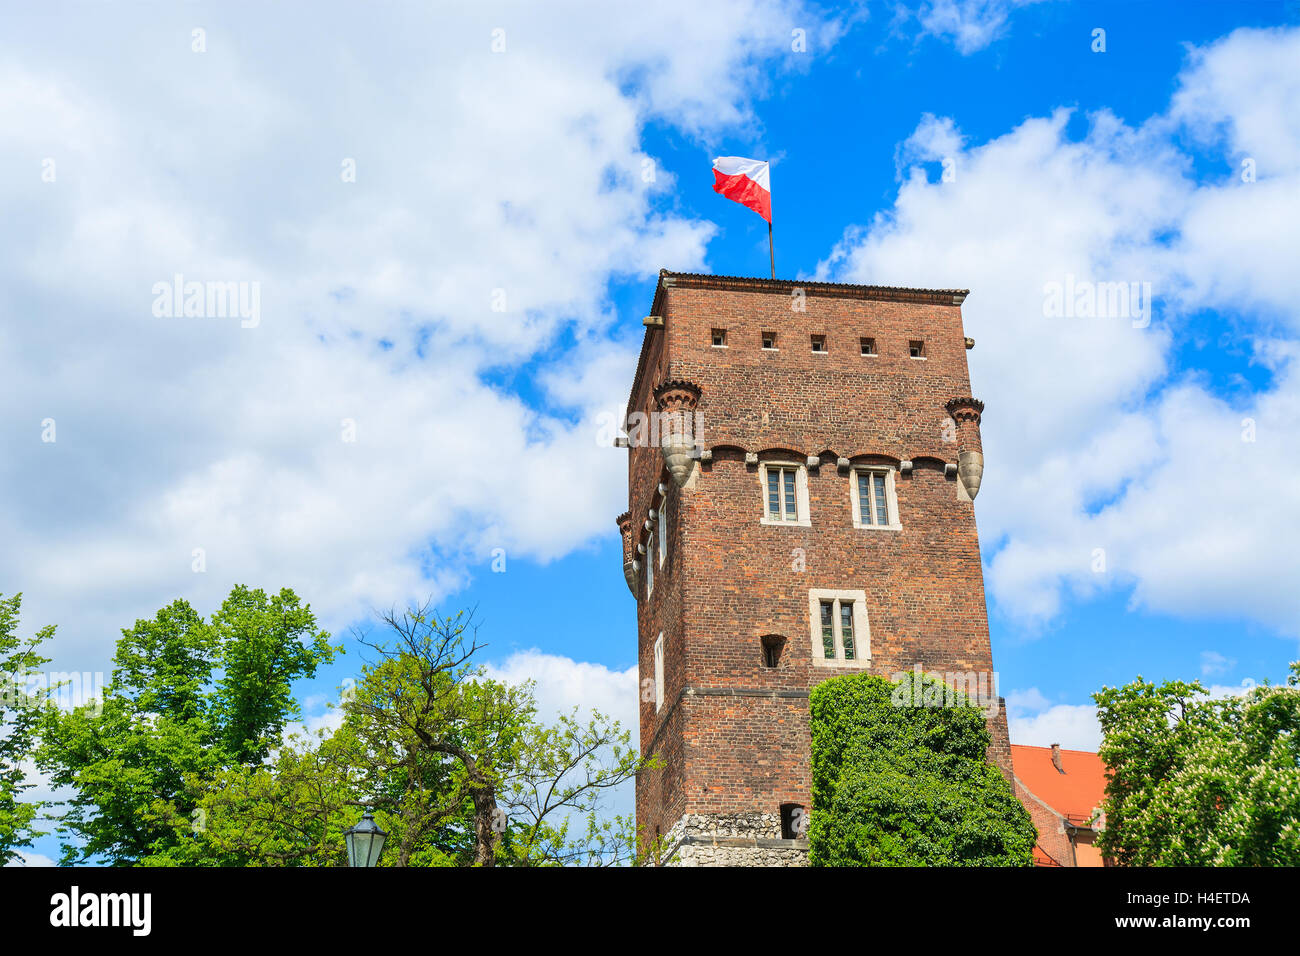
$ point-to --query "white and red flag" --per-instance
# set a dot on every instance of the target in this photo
(746, 181)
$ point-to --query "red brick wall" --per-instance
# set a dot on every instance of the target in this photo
(1052, 838)
(729, 580)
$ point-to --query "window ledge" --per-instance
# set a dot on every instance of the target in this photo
(859, 663)
(878, 527)
(771, 522)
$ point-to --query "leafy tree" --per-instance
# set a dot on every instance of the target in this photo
(425, 713)
(1196, 781)
(458, 768)
(189, 698)
(290, 811)
(901, 785)
(20, 708)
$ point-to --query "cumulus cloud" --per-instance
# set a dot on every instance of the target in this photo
(970, 25)
(1106, 465)
(562, 684)
(1212, 662)
(1036, 722)
(424, 199)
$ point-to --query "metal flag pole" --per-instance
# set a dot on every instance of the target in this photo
(771, 251)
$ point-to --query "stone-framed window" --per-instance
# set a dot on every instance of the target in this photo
(875, 502)
(838, 627)
(785, 493)
(659, 672)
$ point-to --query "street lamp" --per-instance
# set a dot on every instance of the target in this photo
(365, 841)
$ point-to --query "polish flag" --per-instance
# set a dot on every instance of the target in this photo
(746, 181)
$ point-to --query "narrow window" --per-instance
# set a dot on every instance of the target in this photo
(663, 531)
(659, 672)
(828, 629)
(794, 821)
(649, 566)
(772, 645)
(874, 506)
(719, 338)
(868, 346)
(819, 343)
(916, 348)
(782, 500)
(840, 634)
(769, 340)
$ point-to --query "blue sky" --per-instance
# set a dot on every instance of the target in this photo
(835, 130)
(515, 175)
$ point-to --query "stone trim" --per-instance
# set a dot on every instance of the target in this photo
(861, 626)
(731, 839)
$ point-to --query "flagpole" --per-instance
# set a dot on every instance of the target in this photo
(770, 250)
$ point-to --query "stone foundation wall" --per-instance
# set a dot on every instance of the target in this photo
(733, 839)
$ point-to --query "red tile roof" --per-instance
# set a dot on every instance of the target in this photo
(1075, 794)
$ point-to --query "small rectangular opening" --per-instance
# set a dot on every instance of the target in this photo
(819, 343)
(794, 821)
(772, 644)
(769, 340)
(916, 348)
(719, 338)
(868, 345)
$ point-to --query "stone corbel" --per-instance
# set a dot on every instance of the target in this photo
(966, 413)
(676, 401)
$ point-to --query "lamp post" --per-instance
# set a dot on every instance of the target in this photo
(365, 841)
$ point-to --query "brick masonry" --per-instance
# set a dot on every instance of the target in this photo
(732, 733)
(1052, 837)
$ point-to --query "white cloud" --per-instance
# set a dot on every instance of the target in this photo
(1212, 662)
(970, 25)
(483, 179)
(563, 684)
(31, 859)
(1035, 722)
(1096, 444)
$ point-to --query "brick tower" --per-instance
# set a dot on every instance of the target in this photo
(803, 459)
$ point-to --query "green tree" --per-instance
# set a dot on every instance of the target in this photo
(901, 785)
(458, 767)
(1200, 781)
(22, 695)
(189, 698)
